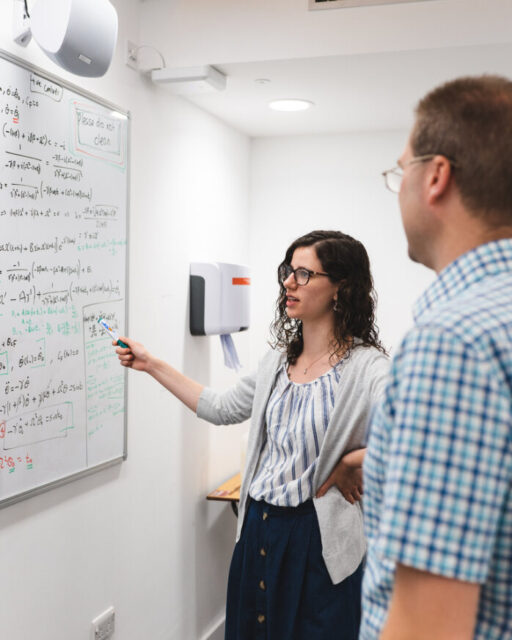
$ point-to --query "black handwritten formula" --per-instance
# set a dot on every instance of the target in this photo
(63, 208)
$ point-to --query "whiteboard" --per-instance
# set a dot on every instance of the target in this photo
(63, 264)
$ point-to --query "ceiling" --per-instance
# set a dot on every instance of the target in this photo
(364, 68)
(351, 93)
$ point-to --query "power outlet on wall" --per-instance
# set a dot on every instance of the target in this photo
(103, 626)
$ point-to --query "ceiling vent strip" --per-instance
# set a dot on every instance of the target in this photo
(345, 4)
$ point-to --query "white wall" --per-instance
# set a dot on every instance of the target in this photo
(302, 183)
(141, 536)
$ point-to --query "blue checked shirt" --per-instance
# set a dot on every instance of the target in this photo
(438, 471)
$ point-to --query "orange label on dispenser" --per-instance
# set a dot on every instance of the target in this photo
(241, 281)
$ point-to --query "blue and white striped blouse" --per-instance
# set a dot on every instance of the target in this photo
(297, 417)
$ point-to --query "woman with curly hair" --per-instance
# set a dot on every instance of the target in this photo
(297, 565)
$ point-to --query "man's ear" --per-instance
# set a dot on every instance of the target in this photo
(439, 174)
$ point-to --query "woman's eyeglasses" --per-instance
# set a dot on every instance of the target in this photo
(301, 274)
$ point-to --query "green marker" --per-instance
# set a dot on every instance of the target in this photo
(112, 333)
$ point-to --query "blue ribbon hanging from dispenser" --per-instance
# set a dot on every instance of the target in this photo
(230, 355)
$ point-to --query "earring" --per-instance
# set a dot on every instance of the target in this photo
(336, 307)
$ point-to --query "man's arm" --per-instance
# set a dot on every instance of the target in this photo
(425, 606)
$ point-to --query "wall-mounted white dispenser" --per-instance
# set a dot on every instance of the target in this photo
(219, 298)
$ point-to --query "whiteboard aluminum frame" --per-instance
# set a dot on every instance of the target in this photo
(53, 484)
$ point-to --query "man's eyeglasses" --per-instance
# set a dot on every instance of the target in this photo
(393, 177)
(301, 274)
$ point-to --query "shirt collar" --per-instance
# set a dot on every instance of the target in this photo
(487, 259)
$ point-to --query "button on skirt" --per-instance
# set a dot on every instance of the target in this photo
(279, 587)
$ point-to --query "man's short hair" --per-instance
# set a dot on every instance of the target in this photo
(469, 120)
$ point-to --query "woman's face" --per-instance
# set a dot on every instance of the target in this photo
(314, 300)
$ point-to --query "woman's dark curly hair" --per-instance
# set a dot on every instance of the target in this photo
(346, 261)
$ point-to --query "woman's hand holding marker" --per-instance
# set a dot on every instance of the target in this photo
(111, 332)
(134, 355)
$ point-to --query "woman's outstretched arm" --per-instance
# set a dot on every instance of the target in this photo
(138, 357)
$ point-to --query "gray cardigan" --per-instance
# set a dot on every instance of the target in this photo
(362, 381)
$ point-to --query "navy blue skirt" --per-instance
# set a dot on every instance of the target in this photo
(279, 587)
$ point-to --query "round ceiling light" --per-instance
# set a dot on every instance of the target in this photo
(290, 105)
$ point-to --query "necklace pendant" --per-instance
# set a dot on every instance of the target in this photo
(305, 371)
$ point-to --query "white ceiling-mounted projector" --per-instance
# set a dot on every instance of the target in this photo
(190, 80)
(79, 35)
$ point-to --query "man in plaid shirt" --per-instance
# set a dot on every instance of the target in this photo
(438, 469)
